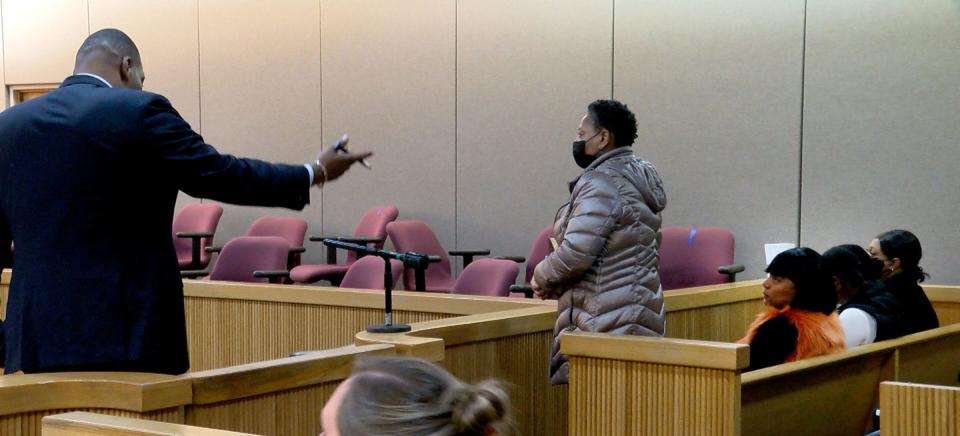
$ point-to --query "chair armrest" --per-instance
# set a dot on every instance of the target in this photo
(195, 246)
(468, 255)
(731, 269)
(213, 249)
(468, 252)
(517, 259)
(194, 234)
(274, 276)
(298, 250)
(527, 291)
(194, 274)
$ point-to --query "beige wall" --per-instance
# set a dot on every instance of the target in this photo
(716, 89)
(260, 89)
(525, 72)
(3, 80)
(40, 39)
(388, 80)
(471, 105)
(881, 138)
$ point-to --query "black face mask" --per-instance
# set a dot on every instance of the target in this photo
(580, 155)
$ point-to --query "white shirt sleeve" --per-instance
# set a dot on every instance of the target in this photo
(310, 172)
(858, 327)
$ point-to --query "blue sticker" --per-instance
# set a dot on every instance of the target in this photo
(693, 232)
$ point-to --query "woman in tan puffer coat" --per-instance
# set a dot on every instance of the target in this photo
(605, 269)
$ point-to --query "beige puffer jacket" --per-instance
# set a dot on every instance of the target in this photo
(607, 263)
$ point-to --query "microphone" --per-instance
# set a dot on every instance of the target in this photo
(418, 261)
(410, 259)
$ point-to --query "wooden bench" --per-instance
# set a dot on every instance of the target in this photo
(639, 385)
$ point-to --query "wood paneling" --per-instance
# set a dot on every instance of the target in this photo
(914, 409)
(510, 345)
(231, 332)
(232, 323)
(41, 38)
(651, 399)
(295, 412)
(521, 361)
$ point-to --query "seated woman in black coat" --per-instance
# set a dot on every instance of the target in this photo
(868, 312)
(800, 319)
(900, 253)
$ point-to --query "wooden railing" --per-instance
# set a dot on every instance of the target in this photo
(909, 409)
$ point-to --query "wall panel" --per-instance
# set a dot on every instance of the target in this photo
(3, 80)
(388, 81)
(171, 58)
(716, 88)
(526, 72)
(881, 140)
(260, 90)
(41, 38)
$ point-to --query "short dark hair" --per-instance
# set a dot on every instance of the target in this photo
(112, 40)
(814, 291)
(616, 118)
(845, 263)
(904, 245)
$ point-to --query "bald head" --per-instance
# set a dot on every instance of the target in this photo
(111, 54)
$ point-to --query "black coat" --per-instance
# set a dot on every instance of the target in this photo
(918, 313)
(878, 302)
(88, 183)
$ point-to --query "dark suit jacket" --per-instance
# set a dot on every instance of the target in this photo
(88, 181)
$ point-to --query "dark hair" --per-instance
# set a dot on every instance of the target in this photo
(903, 245)
(814, 292)
(112, 41)
(615, 117)
(852, 264)
(404, 396)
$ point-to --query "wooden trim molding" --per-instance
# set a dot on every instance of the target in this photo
(136, 392)
(86, 423)
(683, 352)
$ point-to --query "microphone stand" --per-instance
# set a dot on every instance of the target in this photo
(411, 259)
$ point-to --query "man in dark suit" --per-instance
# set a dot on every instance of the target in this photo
(89, 176)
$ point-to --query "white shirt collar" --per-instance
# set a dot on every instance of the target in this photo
(97, 77)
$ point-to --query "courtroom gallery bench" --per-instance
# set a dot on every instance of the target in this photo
(638, 385)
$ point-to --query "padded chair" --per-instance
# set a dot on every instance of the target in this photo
(193, 230)
(487, 277)
(696, 256)
(417, 236)
(539, 249)
(291, 229)
(256, 259)
(371, 230)
(367, 273)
